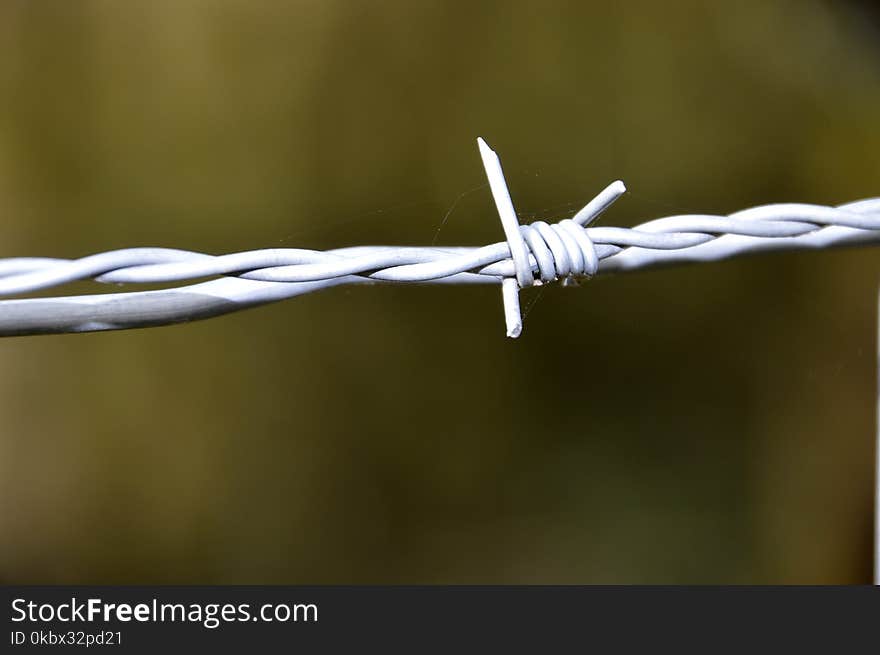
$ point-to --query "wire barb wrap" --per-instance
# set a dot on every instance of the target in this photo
(531, 254)
(560, 250)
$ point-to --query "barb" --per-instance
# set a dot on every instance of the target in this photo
(530, 255)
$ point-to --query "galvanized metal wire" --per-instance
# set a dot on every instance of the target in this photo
(532, 254)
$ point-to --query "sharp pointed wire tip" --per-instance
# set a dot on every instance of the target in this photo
(593, 209)
(512, 316)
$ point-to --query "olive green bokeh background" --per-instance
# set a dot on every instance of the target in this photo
(700, 424)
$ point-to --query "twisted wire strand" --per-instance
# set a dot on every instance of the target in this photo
(531, 254)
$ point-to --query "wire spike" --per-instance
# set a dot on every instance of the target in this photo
(593, 209)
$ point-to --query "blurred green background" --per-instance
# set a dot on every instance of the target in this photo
(701, 424)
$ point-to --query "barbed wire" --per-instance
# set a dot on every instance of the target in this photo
(531, 255)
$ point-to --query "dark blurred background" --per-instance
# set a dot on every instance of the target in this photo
(701, 424)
